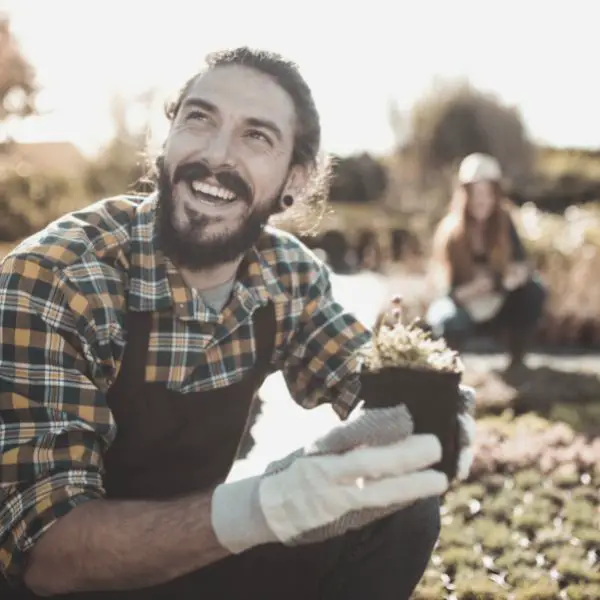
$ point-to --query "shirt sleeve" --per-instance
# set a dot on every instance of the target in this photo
(320, 364)
(54, 421)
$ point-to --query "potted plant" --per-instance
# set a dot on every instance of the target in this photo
(403, 364)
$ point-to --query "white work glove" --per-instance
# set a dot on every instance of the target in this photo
(367, 427)
(387, 468)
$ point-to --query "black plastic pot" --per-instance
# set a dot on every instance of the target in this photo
(432, 397)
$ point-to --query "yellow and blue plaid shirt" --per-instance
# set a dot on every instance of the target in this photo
(64, 293)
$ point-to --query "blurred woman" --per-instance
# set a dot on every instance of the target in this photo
(481, 264)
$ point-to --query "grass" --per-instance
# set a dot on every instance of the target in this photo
(515, 530)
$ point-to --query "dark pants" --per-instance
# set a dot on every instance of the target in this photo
(518, 317)
(383, 561)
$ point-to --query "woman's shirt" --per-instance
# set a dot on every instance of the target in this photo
(481, 259)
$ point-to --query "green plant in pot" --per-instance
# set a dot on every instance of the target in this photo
(403, 364)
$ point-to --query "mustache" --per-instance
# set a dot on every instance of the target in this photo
(230, 180)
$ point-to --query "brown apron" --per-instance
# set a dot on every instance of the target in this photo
(169, 444)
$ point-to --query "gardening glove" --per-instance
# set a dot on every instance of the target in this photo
(295, 502)
(348, 436)
(466, 432)
(371, 427)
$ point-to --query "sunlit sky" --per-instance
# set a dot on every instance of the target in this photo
(542, 57)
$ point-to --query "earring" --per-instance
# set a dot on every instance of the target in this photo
(286, 201)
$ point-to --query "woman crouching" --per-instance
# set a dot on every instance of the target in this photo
(481, 263)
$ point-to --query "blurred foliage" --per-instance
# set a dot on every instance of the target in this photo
(562, 177)
(122, 165)
(29, 201)
(359, 178)
(17, 77)
(526, 523)
(455, 119)
(566, 249)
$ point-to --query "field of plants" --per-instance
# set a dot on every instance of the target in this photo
(527, 523)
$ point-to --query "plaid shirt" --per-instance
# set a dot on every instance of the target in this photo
(63, 297)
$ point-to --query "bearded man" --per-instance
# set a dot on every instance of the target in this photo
(135, 335)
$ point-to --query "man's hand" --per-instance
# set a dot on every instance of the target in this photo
(387, 425)
(345, 437)
(373, 466)
(316, 491)
(381, 426)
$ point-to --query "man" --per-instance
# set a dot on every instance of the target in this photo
(135, 334)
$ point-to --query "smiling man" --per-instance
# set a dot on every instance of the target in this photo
(135, 335)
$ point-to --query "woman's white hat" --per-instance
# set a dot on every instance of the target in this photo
(479, 167)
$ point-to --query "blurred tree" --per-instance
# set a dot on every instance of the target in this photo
(455, 119)
(359, 178)
(122, 164)
(400, 124)
(17, 77)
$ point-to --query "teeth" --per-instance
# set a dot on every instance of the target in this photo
(212, 190)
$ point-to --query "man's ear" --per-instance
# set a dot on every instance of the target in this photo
(296, 181)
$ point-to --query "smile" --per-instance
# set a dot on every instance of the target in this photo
(212, 193)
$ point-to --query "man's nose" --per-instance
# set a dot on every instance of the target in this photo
(218, 151)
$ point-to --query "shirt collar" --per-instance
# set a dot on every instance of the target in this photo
(156, 284)
(148, 282)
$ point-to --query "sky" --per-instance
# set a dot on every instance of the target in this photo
(357, 58)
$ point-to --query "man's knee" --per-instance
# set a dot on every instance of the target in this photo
(387, 558)
(421, 520)
(416, 526)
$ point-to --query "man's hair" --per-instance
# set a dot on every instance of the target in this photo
(308, 127)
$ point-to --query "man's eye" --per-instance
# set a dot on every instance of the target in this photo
(196, 114)
(259, 135)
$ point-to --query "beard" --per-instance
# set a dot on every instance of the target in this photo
(189, 246)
